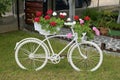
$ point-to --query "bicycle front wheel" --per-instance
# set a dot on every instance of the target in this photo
(91, 51)
(31, 55)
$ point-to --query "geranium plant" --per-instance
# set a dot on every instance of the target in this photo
(51, 22)
(83, 26)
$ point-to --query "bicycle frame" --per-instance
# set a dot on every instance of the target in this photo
(74, 40)
(49, 44)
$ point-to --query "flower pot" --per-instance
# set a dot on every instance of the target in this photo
(103, 31)
(38, 28)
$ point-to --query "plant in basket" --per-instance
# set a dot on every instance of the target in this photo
(51, 22)
(83, 26)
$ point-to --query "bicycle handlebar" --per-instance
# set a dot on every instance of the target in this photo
(70, 23)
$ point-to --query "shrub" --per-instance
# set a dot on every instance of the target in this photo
(93, 13)
(4, 6)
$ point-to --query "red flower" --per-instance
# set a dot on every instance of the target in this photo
(37, 19)
(49, 12)
(62, 16)
(87, 18)
(53, 23)
(47, 17)
(76, 18)
(38, 13)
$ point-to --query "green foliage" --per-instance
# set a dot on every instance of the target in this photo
(108, 19)
(111, 19)
(4, 6)
(52, 22)
(95, 16)
(93, 13)
(104, 21)
(114, 25)
(102, 18)
(53, 29)
(84, 29)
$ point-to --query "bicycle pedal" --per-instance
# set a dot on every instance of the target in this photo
(62, 57)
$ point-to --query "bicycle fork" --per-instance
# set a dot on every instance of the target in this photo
(77, 44)
(84, 56)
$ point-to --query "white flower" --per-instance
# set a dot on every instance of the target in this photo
(54, 14)
(68, 19)
(80, 19)
(74, 22)
(64, 13)
(61, 13)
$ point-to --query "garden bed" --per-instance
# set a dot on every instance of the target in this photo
(114, 33)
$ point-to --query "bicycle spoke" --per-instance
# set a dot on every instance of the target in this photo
(92, 54)
(31, 54)
(32, 46)
(26, 52)
(38, 60)
(23, 58)
(34, 65)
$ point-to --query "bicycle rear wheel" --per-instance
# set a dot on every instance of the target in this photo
(31, 55)
(93, 53)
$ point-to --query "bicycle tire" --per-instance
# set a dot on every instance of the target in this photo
(91, 51)
(26, 59)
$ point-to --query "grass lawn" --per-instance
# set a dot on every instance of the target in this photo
(9, 70)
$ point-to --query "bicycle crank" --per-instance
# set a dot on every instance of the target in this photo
(55, 58)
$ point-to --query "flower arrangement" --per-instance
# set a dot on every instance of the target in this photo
(82, 26)
(51, 22)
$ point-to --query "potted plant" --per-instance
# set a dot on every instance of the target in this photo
(50, 23)
(83, 26)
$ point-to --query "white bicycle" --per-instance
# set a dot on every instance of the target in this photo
(33, 53)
